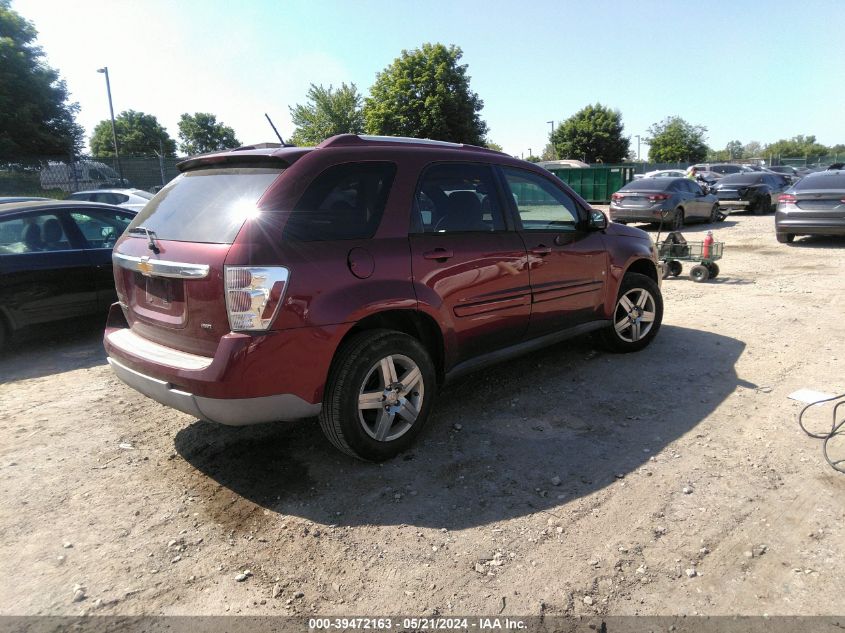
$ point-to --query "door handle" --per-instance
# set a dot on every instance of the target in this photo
(439, 254)
(541, 250)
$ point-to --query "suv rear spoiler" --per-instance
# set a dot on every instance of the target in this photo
(250, 158)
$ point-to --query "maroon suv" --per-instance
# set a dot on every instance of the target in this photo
(351, 280)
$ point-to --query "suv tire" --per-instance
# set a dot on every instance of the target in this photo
(620, 336)
(370, 409)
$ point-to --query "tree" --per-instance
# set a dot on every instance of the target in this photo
(36, 117)
(592, 134)
(549, 152)
(200, 133)
(425, 93)
(491, 145)
(673, 140)
(138, 134)
(328, 112)
(797, 147)
(752, 149)
(734, 149)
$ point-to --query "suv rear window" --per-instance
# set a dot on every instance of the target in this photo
(345, 202)
(206, 205)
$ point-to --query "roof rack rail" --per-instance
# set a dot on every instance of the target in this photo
(346, 140)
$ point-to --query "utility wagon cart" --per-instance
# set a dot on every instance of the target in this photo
(675, 249)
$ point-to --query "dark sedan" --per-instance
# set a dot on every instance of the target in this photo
(793, 173)
(55, 261)
(750, 191)
(815, 205)
(670, 200)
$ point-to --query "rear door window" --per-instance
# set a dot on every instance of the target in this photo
(345, 202)
(458, 198)
(206, 205)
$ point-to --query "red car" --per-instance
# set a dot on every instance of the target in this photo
(351, 280)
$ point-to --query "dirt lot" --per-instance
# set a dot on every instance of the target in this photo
(673, 481)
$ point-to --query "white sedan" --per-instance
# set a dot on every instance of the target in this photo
(662, 173)
(132, 199)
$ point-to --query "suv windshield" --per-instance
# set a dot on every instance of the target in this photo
(207, 205)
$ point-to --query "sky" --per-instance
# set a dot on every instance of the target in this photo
(748, 70)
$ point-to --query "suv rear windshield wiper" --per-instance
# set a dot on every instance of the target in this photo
(151, 242)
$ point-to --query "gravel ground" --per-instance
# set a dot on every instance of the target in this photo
(673, 481)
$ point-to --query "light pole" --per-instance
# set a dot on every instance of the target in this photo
(105, 70)
(638, 147)
(551, 141)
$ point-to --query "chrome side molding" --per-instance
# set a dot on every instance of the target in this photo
(160, 268)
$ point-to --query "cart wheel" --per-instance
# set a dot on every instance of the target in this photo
(713, 269)
(699, 273)
(675, 268)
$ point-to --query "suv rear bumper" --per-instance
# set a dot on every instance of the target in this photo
(230, 411)
(250, 379)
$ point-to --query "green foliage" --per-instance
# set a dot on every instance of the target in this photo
(734, 149)
(492, 145)
(425, 93)
(35, 115)
(752, 149)
(549, 152)
(327, 113)
(673, 140)
(797, 147)
(592, 134)
(533, 159)
(200, 133)
(138, 134)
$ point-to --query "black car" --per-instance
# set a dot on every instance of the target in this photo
(55, 261)
(669, 200)
(795, 173)
(813, 206)
(750, 191)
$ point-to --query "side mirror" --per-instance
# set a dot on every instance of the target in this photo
(598, 220)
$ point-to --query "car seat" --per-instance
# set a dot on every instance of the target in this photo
(53, 234)
(464, 213)
(32, 238)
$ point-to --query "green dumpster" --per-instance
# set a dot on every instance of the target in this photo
(595, 184)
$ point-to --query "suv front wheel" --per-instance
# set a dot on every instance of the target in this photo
(379, 394)
(637, 315)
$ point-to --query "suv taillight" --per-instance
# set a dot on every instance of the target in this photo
(787, 197)
(253, 295)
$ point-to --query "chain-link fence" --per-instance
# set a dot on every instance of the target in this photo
(808, 161)
(55, 177)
